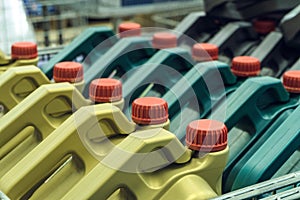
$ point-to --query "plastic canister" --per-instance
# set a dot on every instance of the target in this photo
(85, 45)
(164, 173)
(98, 127)
(51, 105)
(291, 81)
(18, 83)
(235, 39)
(81, 46)
(204, 87)
(200, 52)
(128, 54)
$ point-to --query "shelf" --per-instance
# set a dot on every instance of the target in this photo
(119, 12)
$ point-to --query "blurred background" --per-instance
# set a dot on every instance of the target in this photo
(52, 24)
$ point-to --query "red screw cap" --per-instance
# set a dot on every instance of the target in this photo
(105, 90)
(264, 26)
(245, 66)
(205, 52)
(149, 110)
(164, 40)
(68, 72)
(24, 50)
(291, 81)
(128, 29)
(206, 135)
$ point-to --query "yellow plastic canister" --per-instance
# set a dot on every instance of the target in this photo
(17, 83)
(32, 120)
(112, 124)
(153, 164)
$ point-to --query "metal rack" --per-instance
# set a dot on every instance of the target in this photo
(284, 187)
(45, 54)
(104, 11)
(56, 13)
(116, 13)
